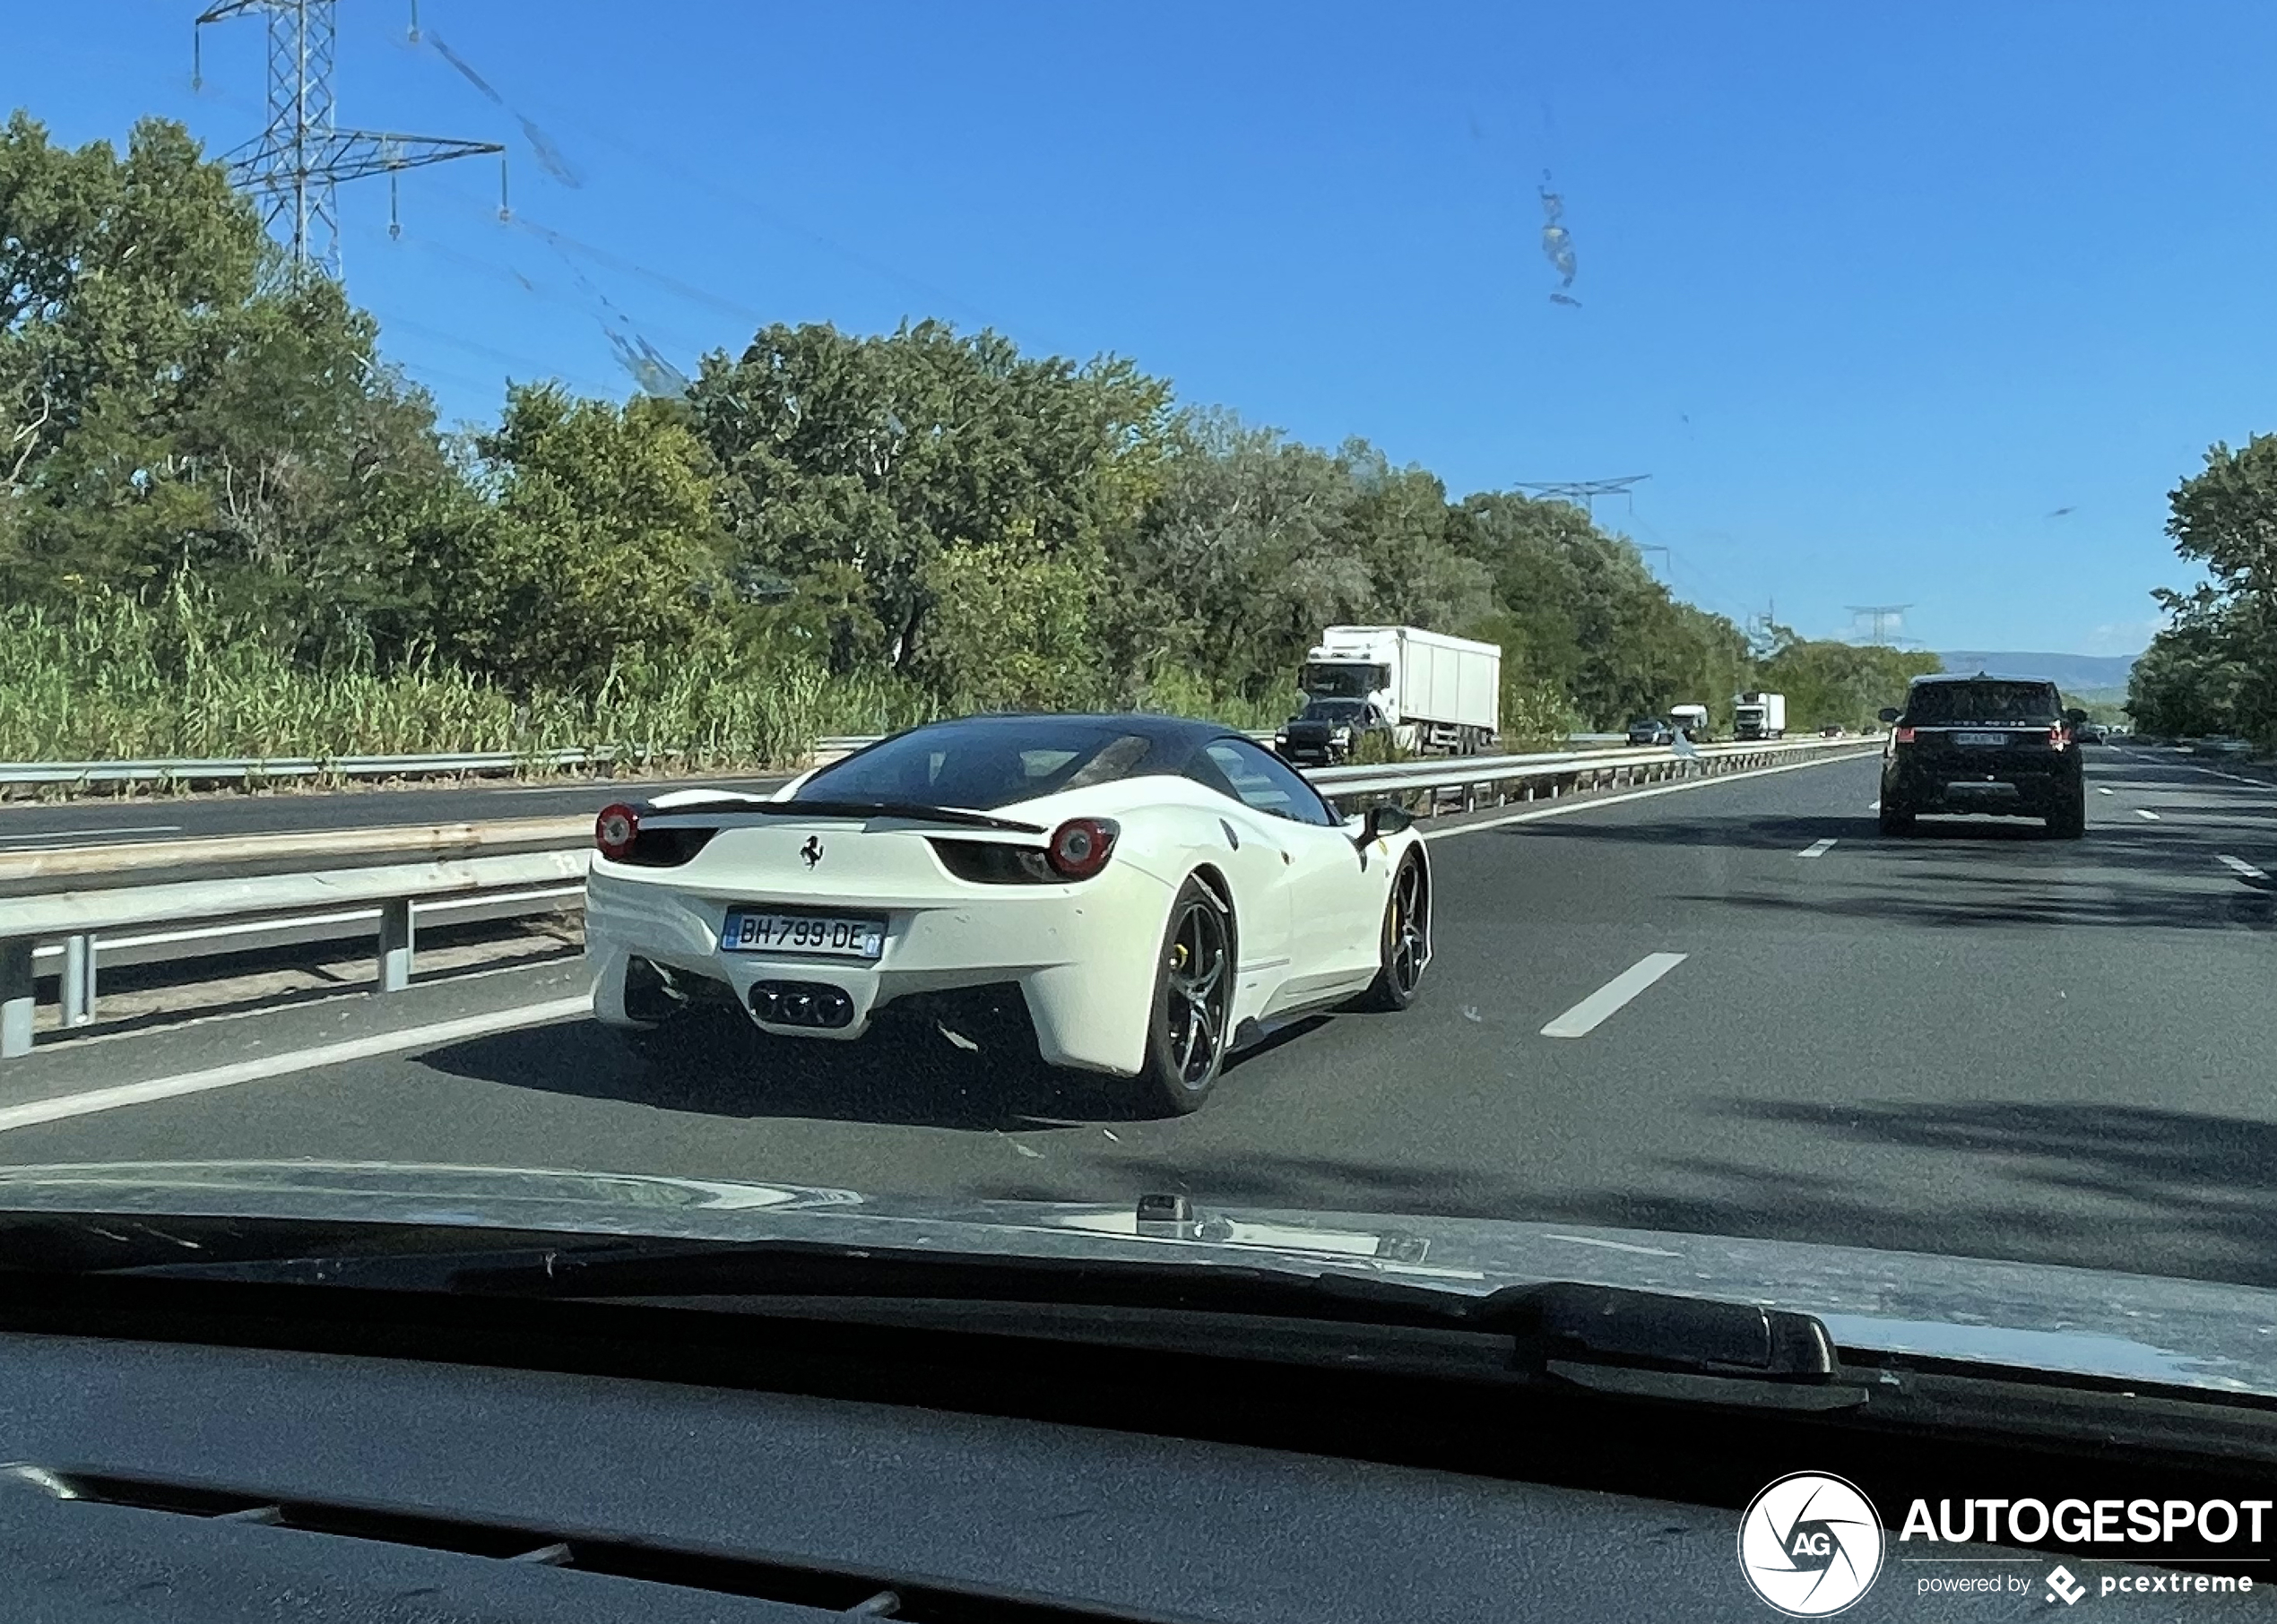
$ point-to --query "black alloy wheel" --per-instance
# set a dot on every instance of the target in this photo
(1406, 940)
(1191, 1028)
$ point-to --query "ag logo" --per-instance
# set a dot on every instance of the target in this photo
(1810, 1545)
(812, 850)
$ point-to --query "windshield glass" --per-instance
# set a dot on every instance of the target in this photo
(1343, 681)
(988, 762)
(419, 594)
(1931, 701)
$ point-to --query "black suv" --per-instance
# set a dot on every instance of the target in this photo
(1652, 730)
(2001, 745)
(1328, 732)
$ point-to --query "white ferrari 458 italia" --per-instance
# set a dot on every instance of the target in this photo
(1157, 890)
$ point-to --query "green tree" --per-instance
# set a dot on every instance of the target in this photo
(1394, 524)
(1237, 564)
(1580, 611)
(2200, 675)
(171, 403)
(2213, 669)
(1829, 683)
(604, 550)
(852, 465)
(1010, 629)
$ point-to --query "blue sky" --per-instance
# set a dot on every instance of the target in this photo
(1870, 291)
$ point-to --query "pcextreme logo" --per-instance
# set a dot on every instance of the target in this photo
(1810, 1545)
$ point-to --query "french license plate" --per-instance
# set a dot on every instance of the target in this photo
(1993, 740)
(756, 931)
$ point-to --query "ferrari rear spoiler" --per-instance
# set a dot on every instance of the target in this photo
(699, 814)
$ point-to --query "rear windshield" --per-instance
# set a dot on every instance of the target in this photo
(983, 762)
(1983, 702)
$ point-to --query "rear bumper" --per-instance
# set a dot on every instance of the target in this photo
(2016, 790)
(1083, 957)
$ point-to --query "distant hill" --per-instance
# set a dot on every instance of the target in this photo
(2076, 673)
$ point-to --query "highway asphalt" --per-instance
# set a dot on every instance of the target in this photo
(1975, 1041)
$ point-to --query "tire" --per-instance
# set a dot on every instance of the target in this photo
(1896, 820)
(1407, 928)
(1193, 1000)
(2068, 821)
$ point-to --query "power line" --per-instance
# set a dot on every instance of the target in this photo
(538, 368)
(562, 243)
(660, 160)
(544, 291)
(1582, 493)
(298, 161)
(1692, 577)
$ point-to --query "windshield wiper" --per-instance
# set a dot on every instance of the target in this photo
(1631, 1343)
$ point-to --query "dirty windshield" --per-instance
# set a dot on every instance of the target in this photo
(466, 597)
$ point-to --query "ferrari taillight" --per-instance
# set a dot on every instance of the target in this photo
(615, 830)
(1079, 847)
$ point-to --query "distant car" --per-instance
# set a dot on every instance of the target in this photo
(1103, 871)
(1983, 744)
(1832, 732)
(2088, 733)
(1328, 731)
(1652, 730)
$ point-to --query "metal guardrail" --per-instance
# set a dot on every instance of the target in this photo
(77, 917)
(76, 774)
(250, 906)
(28, 872)
(176, 771)
(1494, 775)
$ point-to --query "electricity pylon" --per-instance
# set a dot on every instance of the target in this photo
(295, 164)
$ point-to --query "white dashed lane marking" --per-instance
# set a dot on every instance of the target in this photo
(2145, 812)
(2239, 866)
(1586, 1017)
(1817, 848)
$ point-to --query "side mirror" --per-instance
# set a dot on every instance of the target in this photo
(2074, 718)
(1386, 819)
(1889, 713)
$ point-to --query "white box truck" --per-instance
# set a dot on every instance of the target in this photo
(1758, 715)
(1691, 721)
(1438, 694)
